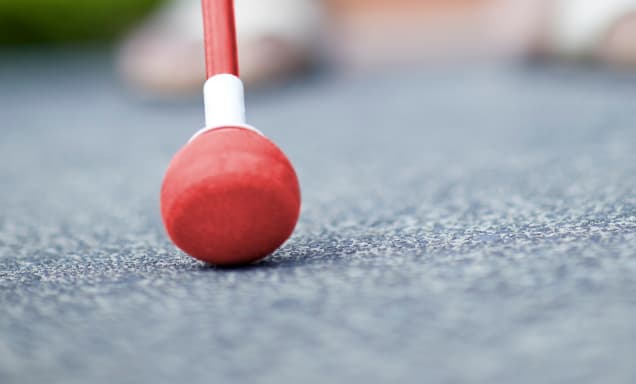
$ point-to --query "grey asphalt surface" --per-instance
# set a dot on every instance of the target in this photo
(458, 226)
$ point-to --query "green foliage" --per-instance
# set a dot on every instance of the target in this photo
(55, 21)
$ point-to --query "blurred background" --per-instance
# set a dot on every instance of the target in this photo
(159, 43)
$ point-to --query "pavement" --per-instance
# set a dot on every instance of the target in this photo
(459, 225)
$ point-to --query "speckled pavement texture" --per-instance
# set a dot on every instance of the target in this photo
(458, 226)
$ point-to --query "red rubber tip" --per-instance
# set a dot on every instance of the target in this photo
(230, 197)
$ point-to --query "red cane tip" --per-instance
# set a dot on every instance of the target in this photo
(230, 197)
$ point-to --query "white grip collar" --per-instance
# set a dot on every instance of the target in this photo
(224, 100)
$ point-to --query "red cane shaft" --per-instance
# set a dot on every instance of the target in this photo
(220, 37)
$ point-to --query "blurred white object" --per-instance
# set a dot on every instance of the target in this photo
(581, 26)
(165, 55)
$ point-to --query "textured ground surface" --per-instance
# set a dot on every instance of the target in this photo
(458, 226)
